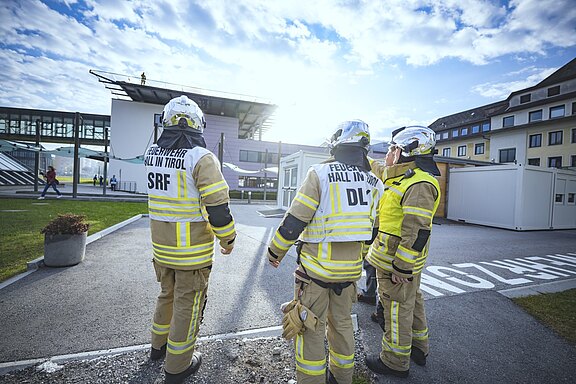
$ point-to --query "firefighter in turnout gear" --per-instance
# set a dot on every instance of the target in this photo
(333, 214)
(410, 200)
(188, 206)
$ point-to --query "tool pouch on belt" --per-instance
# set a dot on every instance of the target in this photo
(297, 318)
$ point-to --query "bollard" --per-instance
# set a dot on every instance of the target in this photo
(249, 197)
(242, 195)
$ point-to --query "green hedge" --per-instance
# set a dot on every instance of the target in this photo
(256, 195)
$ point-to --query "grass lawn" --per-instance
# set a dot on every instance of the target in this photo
(556, 310)
(22, 219)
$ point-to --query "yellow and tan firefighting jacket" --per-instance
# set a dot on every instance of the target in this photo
(410, 200)
(188, 205)
(335, 211)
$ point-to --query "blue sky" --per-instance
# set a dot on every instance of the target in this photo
(390, 63)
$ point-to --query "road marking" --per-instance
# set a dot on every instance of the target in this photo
(440, 281)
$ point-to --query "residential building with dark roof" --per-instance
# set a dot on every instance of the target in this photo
(535, 126)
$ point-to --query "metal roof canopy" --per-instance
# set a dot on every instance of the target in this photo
(254, 115)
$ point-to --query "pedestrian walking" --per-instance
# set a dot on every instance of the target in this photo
(333, 213)
(399, 254)
(113, 182)
(51, 181)
(188, 204)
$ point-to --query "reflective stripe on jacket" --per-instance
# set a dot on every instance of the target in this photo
(326, 204)
(180, 183)
(405, 224)
(172, 192)
(347, 207)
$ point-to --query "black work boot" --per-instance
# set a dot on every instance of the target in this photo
(331, 378)
(377, 366)
(157, 354)
(418, 356)
(178, 378)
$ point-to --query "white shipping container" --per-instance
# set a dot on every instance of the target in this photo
(292, 172)
(513, 197)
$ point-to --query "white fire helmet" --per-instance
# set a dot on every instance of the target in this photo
(414, 140)
(181, 112)
(352, 132)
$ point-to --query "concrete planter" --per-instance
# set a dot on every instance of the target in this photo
(64, 250)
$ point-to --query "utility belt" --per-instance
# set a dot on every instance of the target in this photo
(336, 287)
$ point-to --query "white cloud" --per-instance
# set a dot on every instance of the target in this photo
(501, 90)
(320, 60)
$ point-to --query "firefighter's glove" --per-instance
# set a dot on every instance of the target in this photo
(297, 318)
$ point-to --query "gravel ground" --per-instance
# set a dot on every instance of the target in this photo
(262, 361)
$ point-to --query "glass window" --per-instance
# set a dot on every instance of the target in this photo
(553, 91)
(14, 123)
(559, 198)
(46, 126)
(556, 112)
(571, 197)
(464, 131)
(479, 149)
(535, 140)
(574, 108)
(508, 121)
(535, 116)
(257, 182)
(573, 161)
(249, 156)
(446, 152)
(444, 135)
(525, 98)
(454, 133)
(475, 128)
(4, 122)
(462, 150)
(555, 138)
(555, 162)
(534, 161)
(573, 135)
(99, 126)
(485, 127)
(507, 155)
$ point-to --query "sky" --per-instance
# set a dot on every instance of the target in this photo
(390, 63)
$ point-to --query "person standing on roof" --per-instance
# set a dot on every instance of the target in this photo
(188, 205)
(334, 213)
(143, 79)
(399, 253)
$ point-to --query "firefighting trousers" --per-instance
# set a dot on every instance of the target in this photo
(334, 323)
(405, 319)
(179, 311)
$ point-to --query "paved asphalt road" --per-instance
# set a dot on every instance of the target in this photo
(107, 301)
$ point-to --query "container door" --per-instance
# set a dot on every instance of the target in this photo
(289, 186)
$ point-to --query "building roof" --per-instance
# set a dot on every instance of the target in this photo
(254, 115)
(478, 114)
(468, 117)
(566, 72)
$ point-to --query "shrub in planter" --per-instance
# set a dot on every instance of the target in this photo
(65, 240)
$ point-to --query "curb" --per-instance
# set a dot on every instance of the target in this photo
(35, 264)
(552, 287)
(252, 334)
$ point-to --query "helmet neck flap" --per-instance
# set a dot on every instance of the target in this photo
(181, 138)
(351, 155)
